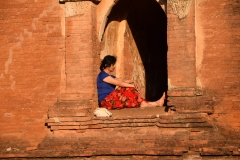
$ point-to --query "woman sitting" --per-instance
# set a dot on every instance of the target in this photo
(115, 93)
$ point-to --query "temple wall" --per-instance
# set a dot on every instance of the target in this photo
(181, 49)
(203, 61)
(206, 58)
(79, 49)
(217, 54)
(31, 64)
(50, 52)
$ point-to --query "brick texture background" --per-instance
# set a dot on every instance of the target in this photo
(219, 67)
(181, 49)
(32, 49)
(38, 43)
(79, 57)
(206, 57)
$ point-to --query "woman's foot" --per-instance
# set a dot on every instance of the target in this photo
(158, 103)
(161, 100)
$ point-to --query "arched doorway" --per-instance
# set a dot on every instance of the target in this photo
(136, 31)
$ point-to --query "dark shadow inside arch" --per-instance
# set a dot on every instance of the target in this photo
(148, 24)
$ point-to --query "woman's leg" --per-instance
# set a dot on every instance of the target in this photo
(124, 97)
(130, 98)
(157, 103)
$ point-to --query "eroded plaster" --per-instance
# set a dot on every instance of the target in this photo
(180, 7)
(170, 85)
(200, 45)
(76, 8)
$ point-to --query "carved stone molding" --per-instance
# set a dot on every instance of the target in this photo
(64, 1)
(180, 7)
(76, 8)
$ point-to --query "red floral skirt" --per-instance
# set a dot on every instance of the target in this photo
(122, 97)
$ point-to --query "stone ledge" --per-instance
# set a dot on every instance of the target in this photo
(64, 1)
(155, 151)
(194, 120)
(74, 115)
(182, 93)
(68, 119)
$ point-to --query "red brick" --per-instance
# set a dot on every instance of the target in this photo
(64, 127)
(45, 63)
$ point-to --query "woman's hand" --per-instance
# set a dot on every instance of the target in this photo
(122, 83)
(118, 82)
(136, 86)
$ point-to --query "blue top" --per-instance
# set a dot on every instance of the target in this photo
(104, 89)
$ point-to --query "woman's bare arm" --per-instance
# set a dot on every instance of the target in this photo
(117, 82)
(121, 83)
(131, 82)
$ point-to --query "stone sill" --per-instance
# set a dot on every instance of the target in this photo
(136, 117)
(184, 92)
(64, 1)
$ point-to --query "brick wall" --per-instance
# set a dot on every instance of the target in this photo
(204, 55)
(32, 49)
(79, 58)
(181, 49)
(39, 60)
(218, 58)
(182, 79)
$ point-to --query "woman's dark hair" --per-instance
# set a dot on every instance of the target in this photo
(107, 62)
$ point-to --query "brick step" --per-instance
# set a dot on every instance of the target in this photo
(71, 107)
(72, 104)
(70, 97)
(202, 110)
(66, 112)
(189, 104)
(68, 119)
(196, 120)
(116, 144)
(76, 115)
(168, 153)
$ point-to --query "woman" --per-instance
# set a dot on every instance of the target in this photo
(126, 95)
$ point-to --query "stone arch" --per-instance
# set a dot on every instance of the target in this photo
(180, 8)
(102, 12)
(138, 30)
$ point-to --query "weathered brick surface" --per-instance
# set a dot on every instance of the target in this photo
(32, 48)
(79, 55)
(48, 65)
(181, 49)
(218, 60)
(164, 121)
(128, 141)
